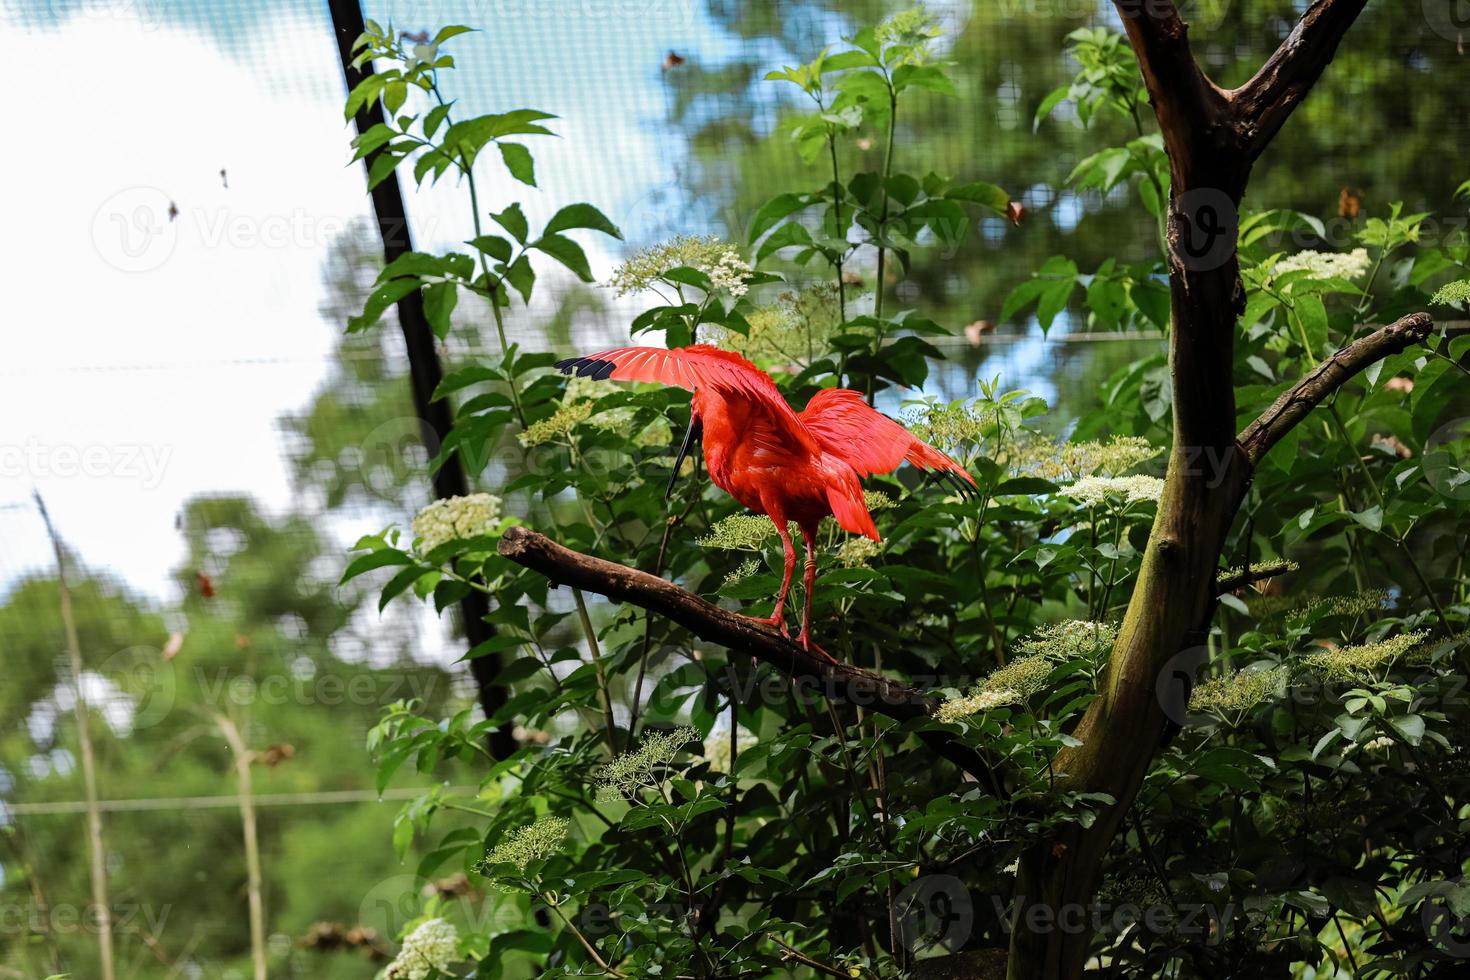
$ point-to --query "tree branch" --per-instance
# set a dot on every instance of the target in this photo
(1263, 104)
(1226, 584)
(1297, 402)
(1184, 99)
(708, 621)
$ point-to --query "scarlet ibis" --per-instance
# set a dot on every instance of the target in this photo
(787, 465)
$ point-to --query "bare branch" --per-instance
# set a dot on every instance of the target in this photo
(1263, 104)
(1296, 403)
(708, 621)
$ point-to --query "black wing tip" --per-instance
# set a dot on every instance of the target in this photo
(586, 367)
(951, 480)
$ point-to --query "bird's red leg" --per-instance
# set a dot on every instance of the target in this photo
(809, 578)
(778, 618)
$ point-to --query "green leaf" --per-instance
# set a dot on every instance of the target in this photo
(1313, 316)
(434, 118)
(379, 301)
(979, 192)
(464, 377)
(868, 86)
(372, 139)
(1437, 386)
(778, 207)
(492, 245)
(439, 301)
(382, 168)
(453, 30)
(521, 277)
(1372, 518)
(1411, 727)
(513, 220)
(1053, 99)
(412, 264)
(581, 216)
(791, 233)
(397, 585)
(567, 252)
(395, 93)
(518, 122)
(402, 836)
(496, 644)
(931, 77)
(376, 559)
(518, 161)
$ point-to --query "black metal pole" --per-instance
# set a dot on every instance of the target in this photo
(435, 417)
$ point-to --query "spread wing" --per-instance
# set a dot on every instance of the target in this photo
(871, 442)
(697, 366)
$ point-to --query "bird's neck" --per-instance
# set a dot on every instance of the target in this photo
(718, 435)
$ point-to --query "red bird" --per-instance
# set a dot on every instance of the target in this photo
(789, 466)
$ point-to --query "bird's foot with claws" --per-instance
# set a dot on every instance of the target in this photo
(777, 621)
(806, 644)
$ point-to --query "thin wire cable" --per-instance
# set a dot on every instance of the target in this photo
(219, 802)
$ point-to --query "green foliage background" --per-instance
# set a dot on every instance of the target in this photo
(1258, 805)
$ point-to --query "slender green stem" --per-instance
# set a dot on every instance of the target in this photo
(586, 943)
(883, 231)
(841, 228)
(451, 804)
(497, 286)
(1367, 299)
(607, 708)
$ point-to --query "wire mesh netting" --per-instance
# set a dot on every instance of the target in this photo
(176, 386)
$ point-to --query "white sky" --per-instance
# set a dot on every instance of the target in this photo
(145, 361)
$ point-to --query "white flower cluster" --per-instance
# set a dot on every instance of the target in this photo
(647, 766)
(716, 259)
(964, 706)
(857, 552)
(1326, 265)
(1452, 294)
(432, 946)
(454, 518)
(534, 842)
(1093, 490)
(728, 273)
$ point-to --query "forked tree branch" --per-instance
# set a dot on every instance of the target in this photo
(704, 619)
(1184, 99)
(1263, 104)
(1196, 115)
(1298, 401)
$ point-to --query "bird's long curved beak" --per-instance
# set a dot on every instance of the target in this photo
(692, 436)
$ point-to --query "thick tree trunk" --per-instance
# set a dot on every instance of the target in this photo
(1212, 137)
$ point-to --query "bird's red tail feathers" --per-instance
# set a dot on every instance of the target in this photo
(850, 510)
